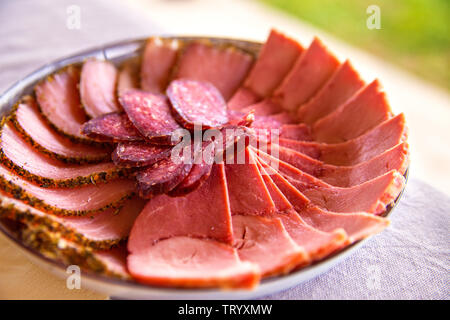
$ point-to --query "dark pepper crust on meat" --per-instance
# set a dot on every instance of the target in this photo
(12, 119)
(18, 193)
(11, 212)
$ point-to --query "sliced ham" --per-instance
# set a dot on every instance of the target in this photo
(158, 60)
(263, 108)
(114, 261)
(275, 60)
(139, 154)
(190, 262)
(128, 77)
(33, 128)
(111, 127)
(20, 157)
(284, 117)
(225, 68)
(347, 176)
(100, 230)
(59, 101)
(365, 110)
(242, 98)
(299, 132)
(339, 88)
(67, 201)
(309, 73)
(151, 115)
(98, 87)
(376, 141)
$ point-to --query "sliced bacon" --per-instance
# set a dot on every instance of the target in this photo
(189, 262)
(242, 98)
(365, 110)
(128, 77)
(151, 115)
(339, 88)
(59, 101)
(275, 60)
(33, 128)
(139, 154)
(225, 68)
(309, 73)
(197, 103)
(67, 201)
(158, 60)
(376, 141)
(100, 230)
(98, 87)
(20, 157)
(111, 127)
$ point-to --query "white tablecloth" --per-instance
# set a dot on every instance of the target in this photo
(408, 260)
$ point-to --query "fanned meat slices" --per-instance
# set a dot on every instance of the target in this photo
(158, 60)
(128, 77)
(225, 68)
(59, 101)
(242, 98)
(67, 201)
(33, 128)
(264, 108)
(197, 103)
(111, 127)
(98, 87)
(20, 157)
(100, 230)
(139, 154)
(151, 115)
(299, 132)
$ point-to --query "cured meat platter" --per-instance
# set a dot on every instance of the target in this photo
(88, 175)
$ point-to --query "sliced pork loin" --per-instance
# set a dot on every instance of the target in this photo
(98, 87)
(305, 77)
(158, 59)
(396, 158)
(338, 89)
(384, 136)
(128, 77)
(67, 201)
(34, 129)
(365, 110)
(23, 159)
(225, 68)
(99, 230)
(59, 101)
(186, 241)
(276, 58)
(371, 196)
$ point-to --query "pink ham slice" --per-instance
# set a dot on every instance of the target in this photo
(284, 117)
(309, 73)
(111, 127)
(242, 98)
(72, 201)
(347, 176)
(338, 89)
(371, 196)
(30, 123)
(363, 148)
(357, 225)
(114, 261)
(225, 68)
(158, 60)
(275, 60)
(263, 108)
(139, 154)
(296, 132)
(26, 161)
(59, 101)
(365, 110)
(128, 77)
(98, 87)
(168, 247)
(99, 230)
(190, 262)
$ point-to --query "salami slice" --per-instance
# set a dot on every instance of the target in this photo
(198, 103)
(139, 154)
(151, 115)
(161, 177)
(111, 127)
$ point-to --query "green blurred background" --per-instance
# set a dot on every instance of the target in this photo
(414, 34)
